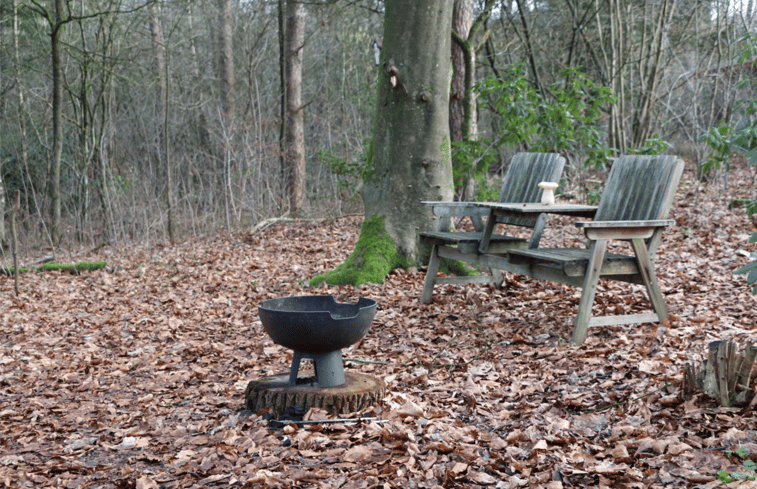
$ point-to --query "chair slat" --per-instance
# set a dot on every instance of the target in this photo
(641, 190)
(521, 183)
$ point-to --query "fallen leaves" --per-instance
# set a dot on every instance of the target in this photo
(134, 377)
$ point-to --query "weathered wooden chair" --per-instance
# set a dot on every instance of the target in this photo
(633, 207)
(521, 181)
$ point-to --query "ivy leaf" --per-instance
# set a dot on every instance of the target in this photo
(749, 267)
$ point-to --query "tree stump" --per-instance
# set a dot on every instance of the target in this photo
(725, 375)
(357, 393)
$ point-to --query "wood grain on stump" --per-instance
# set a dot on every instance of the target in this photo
(357, 393)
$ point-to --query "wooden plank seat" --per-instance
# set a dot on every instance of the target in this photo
(525, 172)
(573, 262)
(468, 243)
(633, 207)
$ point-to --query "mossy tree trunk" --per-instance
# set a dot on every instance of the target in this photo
(410, 156)
(409, 159)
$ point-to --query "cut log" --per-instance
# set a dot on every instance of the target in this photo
(357, 393)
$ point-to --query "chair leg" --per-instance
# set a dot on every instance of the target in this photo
(591, 279)
(498, 276)
(649, 277)
(431, 273)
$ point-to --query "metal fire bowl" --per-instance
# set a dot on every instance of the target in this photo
(316, 323)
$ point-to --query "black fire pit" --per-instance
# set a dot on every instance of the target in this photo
(317, 327)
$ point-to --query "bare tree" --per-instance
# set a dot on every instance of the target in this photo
(2, 210)
(226, 61)
(294, 135)
(226, 83)
(462, 19)
(613, 53)
(671, 77)
(56, 21)
(465, 34)
(161, 86)
(650, 68)
(14, 14)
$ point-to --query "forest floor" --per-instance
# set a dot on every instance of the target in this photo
(134, 376)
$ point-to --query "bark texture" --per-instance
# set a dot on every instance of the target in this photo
(57, 68)
(294, 134)
(410, 157)
(226, 89)
(358, 392)
(2, 209)
(726, 375)
(161, 116)
(462, 19)
(226, 62)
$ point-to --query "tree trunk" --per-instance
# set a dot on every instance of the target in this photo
(282, 6)
(104, 146)
(529, 45)
(21, 104)
(410, 160)
(294, 134)
(614, 62)
(2, 188)
(2, 208)
(463, 117)
(462, 125)
(226, 62)
(57, 73)
(226, 82)
(462, 19)
(650, 71)
(161, 118)
(85, 154)
(14, 239)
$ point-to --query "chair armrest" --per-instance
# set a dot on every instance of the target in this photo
(622, 229)
(456, 209)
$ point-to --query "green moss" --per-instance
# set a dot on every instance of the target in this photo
(368, 169)
(49, 267)
(446, 148)
(455, 267)
(447, 265)
(375, 255)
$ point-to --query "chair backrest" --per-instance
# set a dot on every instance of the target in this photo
(521, 183)
(640, 188)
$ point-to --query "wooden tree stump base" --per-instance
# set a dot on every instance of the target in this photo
(725, 376)
(357, 393)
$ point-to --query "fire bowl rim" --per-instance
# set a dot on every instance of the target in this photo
(316, 330)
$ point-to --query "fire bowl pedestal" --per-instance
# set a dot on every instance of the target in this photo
(316, 328)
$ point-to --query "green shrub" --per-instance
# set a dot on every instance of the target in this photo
(726, 139)
(566, 122)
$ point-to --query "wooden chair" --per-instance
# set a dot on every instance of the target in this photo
(521, 181)
(633, 207)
